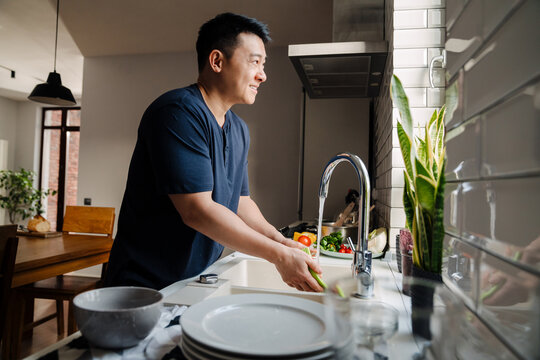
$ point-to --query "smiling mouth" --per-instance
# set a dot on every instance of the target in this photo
(254, 88)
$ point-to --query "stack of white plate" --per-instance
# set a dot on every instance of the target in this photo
(256, 326)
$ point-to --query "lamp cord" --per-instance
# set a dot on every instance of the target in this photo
(56, 38)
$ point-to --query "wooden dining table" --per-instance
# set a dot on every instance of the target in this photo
(42, 258)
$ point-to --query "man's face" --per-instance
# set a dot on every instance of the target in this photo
(243, 72)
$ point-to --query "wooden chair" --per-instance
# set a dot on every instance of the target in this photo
(8, 253)
(77, 219)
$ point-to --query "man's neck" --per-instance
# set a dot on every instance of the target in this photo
(214, 101)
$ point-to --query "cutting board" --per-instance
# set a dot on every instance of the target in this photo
(48, 234)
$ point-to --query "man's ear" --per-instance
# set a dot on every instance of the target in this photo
(215, 60)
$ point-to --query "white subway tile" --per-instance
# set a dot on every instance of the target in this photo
(397, 177)
(396, 197)
(435, 97)
(493, 12)
(404, 58)
(419, 38)
(510, 135)
(436, 18)
(393, 231)
(422, 115)
(454, 102)
(453, 10)
(464, 38)
(474, 340)
(502, 215)
(460, 268)
(418, 4)
(506, 62)
(463, 151)
(512, 311)
(433, 52)
(395, 138)
(397, 217)
(397, 159)
(417, 97)
(419, 77)
(452, 210)
(410, 19)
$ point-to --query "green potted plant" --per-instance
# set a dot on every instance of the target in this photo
(18, 195)
(423, 193)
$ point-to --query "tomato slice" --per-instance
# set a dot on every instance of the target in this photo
(304, 240)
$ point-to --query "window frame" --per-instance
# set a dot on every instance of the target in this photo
(64, 128)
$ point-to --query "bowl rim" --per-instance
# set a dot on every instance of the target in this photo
(76, 305)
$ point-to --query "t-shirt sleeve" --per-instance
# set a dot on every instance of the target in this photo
(179, 150)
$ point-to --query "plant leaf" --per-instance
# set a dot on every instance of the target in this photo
(421, 150)
(429, 149)
(422, 170)
(408, 202)
(426, 190)
(438, 224)
(405, 146)
(402, 102)
(422, 239)
(439, 139)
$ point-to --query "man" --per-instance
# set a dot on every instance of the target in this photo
(187, 191)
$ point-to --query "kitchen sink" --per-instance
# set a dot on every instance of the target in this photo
(256, 276)
(243, 274)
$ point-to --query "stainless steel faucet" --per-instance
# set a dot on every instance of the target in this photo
(361, 267)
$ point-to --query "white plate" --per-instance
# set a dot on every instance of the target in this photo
(345, 255)
(202, 353)
(258, 325)
(336, 254)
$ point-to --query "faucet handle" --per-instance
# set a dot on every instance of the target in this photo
(368, 256)
(351, 244)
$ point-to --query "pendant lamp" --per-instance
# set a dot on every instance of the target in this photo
(52, 92)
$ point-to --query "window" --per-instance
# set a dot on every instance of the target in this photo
(59, 160)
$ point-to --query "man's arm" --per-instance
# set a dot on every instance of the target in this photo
(249, 212)
(201, 213)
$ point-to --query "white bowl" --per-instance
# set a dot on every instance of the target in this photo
(117, 317)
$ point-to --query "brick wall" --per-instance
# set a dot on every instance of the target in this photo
(415, 32)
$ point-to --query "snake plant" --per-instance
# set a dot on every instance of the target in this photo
(423, 193)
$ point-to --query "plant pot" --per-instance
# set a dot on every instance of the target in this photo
(406, 267)
(422, 289)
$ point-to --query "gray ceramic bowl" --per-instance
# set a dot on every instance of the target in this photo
(117, 317)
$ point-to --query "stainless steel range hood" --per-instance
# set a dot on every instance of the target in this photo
(346, 69)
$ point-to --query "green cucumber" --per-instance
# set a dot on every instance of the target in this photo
(318, 278)
(492, 290)
(313, 273)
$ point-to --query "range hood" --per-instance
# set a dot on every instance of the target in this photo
(353, 65)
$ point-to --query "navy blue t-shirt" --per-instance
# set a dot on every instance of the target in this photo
(180, 149)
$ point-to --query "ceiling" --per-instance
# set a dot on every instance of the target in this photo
(104, 27)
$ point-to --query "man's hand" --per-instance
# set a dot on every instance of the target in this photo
(294, 266)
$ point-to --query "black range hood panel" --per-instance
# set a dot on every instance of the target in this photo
(340, 69)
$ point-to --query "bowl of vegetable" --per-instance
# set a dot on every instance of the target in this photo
(336, 246)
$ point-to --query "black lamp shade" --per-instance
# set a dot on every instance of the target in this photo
(52, 92)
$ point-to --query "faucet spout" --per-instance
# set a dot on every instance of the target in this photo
(361, 266)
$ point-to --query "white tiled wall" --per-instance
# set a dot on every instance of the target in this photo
(416, 33)
(492, 198)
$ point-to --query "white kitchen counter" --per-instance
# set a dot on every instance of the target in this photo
(388, 282)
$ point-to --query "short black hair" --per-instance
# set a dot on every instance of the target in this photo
(221, 33)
